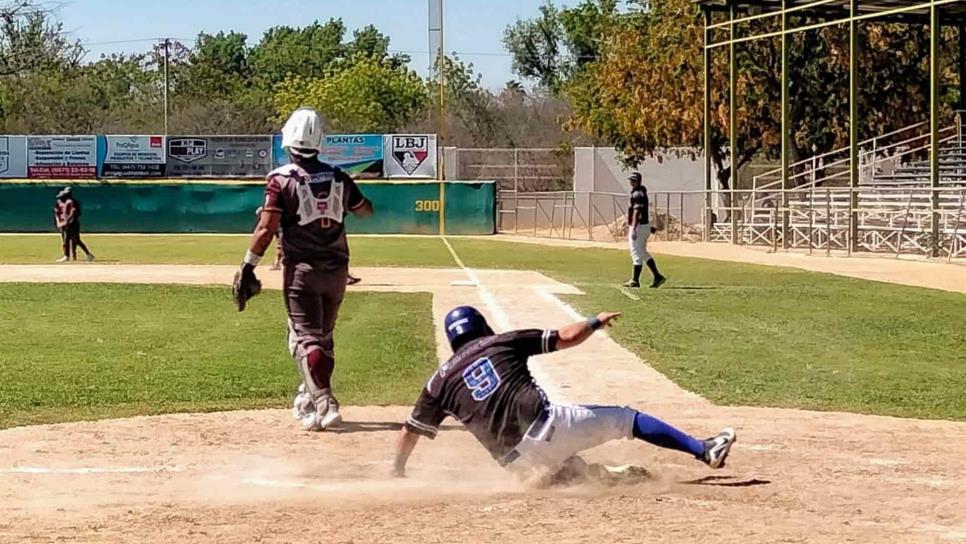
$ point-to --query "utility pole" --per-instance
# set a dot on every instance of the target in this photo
(438, 62)
(167, 45)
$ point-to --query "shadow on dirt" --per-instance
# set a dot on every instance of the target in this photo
(726, 481)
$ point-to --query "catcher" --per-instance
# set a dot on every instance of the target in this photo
(308, 199)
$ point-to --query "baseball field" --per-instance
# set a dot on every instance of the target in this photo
(138, 405)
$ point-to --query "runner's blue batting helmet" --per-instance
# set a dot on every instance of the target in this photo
(465, 323)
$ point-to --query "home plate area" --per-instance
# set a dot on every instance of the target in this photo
(253, 476)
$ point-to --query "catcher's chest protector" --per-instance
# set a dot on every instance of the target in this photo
(312, 208)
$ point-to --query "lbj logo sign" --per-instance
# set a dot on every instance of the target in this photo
(410, 151)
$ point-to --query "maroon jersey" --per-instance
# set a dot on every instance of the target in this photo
(64, 211)
(313, 199)
(488, 387)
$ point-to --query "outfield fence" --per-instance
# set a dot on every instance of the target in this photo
(402, 207)
(896, 220)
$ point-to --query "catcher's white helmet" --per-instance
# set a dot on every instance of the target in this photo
(302, 133)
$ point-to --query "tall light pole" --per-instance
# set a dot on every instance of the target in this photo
(437, 63)
(167, 45)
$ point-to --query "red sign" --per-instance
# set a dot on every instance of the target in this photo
(61, 172)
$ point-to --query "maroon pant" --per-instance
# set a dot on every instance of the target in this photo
(313, 295)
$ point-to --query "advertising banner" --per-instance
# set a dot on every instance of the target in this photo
(410, 155)
(133, 156)
(359, 155)
(223, 156)
(13, 156)
(59, 157)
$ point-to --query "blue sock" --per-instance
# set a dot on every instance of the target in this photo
(652, 430)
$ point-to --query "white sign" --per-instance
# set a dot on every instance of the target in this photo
(138, 156)
(410, 155)
(53, 157)
(13, 156)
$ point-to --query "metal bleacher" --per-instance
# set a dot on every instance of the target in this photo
(895, 207)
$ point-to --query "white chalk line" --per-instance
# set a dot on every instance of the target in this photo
(90, 470)
(499, 315)
(627, 293)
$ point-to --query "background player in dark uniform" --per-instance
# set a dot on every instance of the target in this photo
(309, 199)
(638, 231)
(67, 214)
(488, 387)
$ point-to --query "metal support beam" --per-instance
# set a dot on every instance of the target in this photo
(962, 67)
(785, 126)
(934, 77)
(830, 20)
(854, 127)
(733, 126)
(707, 129)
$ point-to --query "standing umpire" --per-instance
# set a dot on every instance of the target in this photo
(638, 230)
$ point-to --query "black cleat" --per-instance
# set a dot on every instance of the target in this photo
(716, 449)
(658, 282)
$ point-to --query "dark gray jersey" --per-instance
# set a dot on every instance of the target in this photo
(637, 206)
(321, 240)
(488, 387)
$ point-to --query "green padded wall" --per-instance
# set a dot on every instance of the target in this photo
(401, 208)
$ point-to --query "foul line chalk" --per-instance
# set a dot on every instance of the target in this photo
(627, 293)
(88, 470)
(502, 320)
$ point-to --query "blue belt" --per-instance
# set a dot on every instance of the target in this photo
(534, 431)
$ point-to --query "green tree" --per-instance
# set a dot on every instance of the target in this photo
(308, 51)
(218, 65)
(556, 45)
(31, 40)
(536, 48)
(366, 95)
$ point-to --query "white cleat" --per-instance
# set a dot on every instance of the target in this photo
(62, 260)
(312, 423)
(302, 406)
(328, 412)
(325, 415)
(90, 257)
(717, 448)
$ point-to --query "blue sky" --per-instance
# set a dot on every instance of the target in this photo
(473, 28)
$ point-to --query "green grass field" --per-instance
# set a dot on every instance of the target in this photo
(215, 249)
(106, 350)
(737, 334)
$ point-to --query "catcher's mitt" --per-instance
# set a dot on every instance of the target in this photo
(245, 286)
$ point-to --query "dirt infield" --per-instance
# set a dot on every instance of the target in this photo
(250, 476)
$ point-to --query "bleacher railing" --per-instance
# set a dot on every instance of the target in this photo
(893, 220)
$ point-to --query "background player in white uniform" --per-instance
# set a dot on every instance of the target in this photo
(488, 387)
(638, 231)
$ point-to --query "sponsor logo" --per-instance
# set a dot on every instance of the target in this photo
(187, 149)
(410, 151)
(155, 141)
(38, 143)
(342, 140)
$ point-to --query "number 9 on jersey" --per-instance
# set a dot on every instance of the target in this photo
(481, 379)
